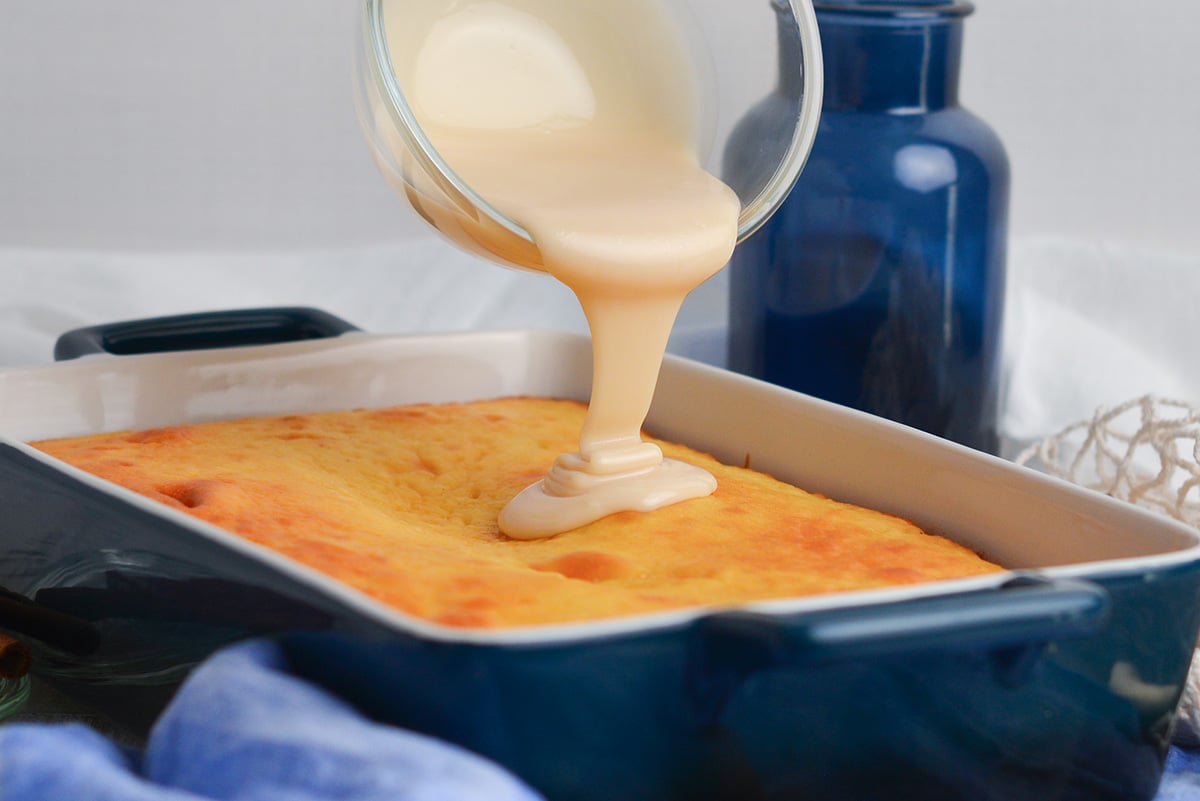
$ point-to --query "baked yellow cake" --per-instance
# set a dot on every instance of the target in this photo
(402, 503)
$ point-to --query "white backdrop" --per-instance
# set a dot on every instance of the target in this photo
(135, 124)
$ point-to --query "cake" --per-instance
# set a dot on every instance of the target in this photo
(401, 503)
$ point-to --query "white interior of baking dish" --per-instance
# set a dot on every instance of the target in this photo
(1010, 514)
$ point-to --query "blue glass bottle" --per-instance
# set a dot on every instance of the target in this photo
(879, 284)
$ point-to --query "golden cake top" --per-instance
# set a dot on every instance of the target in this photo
(402, 503)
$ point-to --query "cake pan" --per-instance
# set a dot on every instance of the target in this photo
(1056, 680)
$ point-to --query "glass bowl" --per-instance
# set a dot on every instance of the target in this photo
(718, 40)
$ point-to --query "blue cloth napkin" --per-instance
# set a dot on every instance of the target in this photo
(1181, 782)
(243, 729)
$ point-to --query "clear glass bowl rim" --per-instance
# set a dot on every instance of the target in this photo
(754, 213)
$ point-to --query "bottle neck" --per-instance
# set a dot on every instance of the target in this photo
(880, 62)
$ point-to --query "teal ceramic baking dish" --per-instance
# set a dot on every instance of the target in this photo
(1056, 680)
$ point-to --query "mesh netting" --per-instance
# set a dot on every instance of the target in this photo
(1145, 451)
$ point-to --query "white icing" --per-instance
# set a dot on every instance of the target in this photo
(575, 120)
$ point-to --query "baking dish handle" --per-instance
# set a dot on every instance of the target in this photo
(218, 329)
(1026, 611)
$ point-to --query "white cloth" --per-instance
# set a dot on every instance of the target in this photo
(417, 285)
(1093, 324)
(421, 285)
